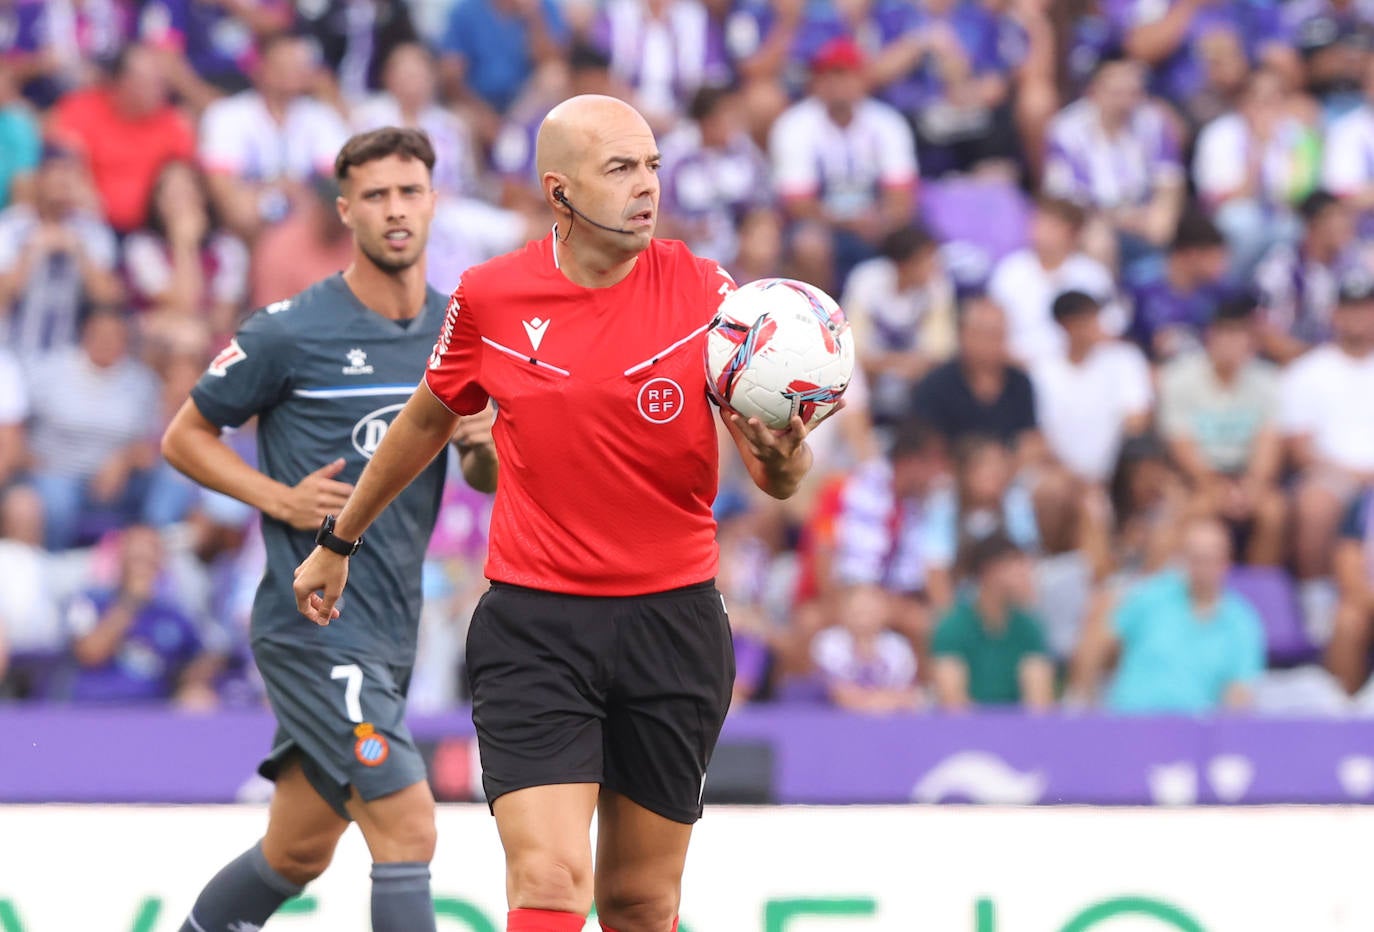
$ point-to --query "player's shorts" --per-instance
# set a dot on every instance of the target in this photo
(626, 692)
(344, 716)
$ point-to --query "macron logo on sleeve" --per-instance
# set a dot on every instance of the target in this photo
(535, 329)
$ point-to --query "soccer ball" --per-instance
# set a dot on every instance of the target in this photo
(779, 347)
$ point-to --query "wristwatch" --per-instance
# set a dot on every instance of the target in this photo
(326, 538)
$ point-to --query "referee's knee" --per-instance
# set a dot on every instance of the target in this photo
(541, 880)
(639, 912)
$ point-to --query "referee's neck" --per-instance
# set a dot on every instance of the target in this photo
(582, 263)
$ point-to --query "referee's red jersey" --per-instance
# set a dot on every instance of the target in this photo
(606, 438)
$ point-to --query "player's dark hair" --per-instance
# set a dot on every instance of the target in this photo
(1196, 230)
(982, 553)
(380, 143)
(707, 100)
(1238, 308)
(1316, 204)
(908, 241)
(1072, 304)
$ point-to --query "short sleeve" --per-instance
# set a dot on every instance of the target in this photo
(1247, 660)
(99, 242)
(14, 394)
(718, 284)
(1349, 154)
(1021, 410)
(951, 634)
(248, 376)
(455, 365)
(229, 285)
(896, 151)
(146, 265)
(1133, 613)
(1219, 165)
(1030, 636)
(1296, 401)
(794, 168)
(1136, 391)
(1174, 400)
(1353, 522)
(222, 144)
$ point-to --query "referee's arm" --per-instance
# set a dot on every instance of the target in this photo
(420, 431)
(777, 460)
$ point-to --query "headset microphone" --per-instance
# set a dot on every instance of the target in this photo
(562, 198)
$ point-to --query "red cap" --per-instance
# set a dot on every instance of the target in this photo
(840, 54)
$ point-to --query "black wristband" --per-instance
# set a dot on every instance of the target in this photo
(326, 538)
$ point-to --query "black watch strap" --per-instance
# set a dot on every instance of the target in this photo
(327, 539)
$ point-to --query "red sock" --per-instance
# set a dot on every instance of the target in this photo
(543, 920)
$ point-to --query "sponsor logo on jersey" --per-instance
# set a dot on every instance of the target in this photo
(369, 431)
(371, 748)
(278, 306)
(231, 354)
(660, 400)
(535, 329)
(357, 363)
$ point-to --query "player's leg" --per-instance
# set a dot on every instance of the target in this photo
(639, 860)
(400, 833)
(302, 832)
(676, 668)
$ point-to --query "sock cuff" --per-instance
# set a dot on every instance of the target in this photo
(401, 876)
(543, 920)
(269, 876)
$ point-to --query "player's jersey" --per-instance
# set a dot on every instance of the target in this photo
(606, 439)
(326, 376)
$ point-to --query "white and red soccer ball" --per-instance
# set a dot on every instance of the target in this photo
(779, 347)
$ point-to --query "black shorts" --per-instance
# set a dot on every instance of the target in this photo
(344, 716)
(626, 692)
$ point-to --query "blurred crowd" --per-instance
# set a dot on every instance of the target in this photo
(1109, 265)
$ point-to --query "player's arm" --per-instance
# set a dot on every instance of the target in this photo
(193, 445)
(777, 460)
(417, 435)
(476, 450)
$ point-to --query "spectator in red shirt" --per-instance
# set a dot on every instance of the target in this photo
(127, 129)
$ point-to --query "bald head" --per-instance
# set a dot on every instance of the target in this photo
(579, 126)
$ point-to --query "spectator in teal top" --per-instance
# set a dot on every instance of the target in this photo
(1187, 644)
(20, 142)
(988, 649)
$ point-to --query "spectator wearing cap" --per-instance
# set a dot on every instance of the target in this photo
(126, 129)
(713, 174)
(1026, 282)
(1170, 310)
(1334, 38)
(21, 144)
(1217, 413)
(1298, 283)
(1185, 643)
(1117, 154)
(311, 244)
(258, 144)
(56, 259)
(92, 441)
(208, 49)
(1348, 157)
(664, 50)
(1325, 424)
(943, 64)
(901, 306)
(1091, 396)
(1251, 165)
(845, 167)
(989, 649)
(1172, 38)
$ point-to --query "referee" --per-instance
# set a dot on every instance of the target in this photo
(600, 659)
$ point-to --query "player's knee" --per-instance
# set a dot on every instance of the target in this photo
(408, 835)
(539, 880)
(638, 911)
(300, 860)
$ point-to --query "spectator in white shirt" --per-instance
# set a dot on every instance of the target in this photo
(259, 144)
(1324, 416)
(14, 411)
(29, 621)
(1251, 165)
(845, 166)
(1217, 413)
(1117, 153)
(866, 666)
(1348, 163)
(1094, 395)
(901, 306)
(1026, 282)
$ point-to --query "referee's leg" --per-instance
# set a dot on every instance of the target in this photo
(545, 831)
(639, 860)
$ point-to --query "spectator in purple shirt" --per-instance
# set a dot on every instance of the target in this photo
(713, 174)
(129, 643)
(1117, 154)
(1171, 310)
(1171, 37)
